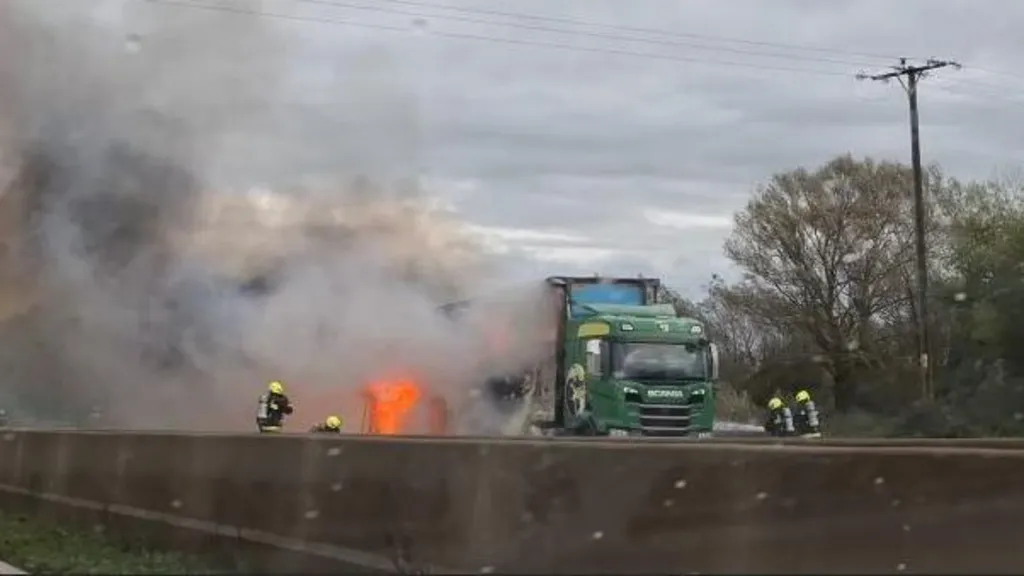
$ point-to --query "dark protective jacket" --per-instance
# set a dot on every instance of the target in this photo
(272, 410)
(779, 422)
(806, 419)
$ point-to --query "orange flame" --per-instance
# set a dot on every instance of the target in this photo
(389, 404)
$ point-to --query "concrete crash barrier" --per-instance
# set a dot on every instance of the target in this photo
(535, 507)
(989, 443)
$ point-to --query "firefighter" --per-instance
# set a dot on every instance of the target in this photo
(272, 408)
(332, 425)
(806, 420)
(780, 419)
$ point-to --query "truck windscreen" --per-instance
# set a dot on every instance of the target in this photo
(659, 362)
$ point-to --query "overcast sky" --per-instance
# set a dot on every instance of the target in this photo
(575, 149)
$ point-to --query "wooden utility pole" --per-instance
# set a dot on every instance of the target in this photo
(908, 77)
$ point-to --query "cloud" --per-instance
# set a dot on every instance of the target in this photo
(685, 221)
(639, 160)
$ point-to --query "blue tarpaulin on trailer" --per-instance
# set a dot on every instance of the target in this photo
(629, 294)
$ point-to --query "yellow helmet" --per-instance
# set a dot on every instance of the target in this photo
(803, 396)
(775, 403)
(333, 422)
(276, 387)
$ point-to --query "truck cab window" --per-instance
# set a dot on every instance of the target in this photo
(657, 362)
(593, 348)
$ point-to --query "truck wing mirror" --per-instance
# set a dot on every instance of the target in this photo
(714, 360)
(594, 347)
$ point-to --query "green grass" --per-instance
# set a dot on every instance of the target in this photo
(40, 547)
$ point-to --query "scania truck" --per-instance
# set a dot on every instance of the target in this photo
(620, 362)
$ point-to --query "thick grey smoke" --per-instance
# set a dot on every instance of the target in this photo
(136, 288)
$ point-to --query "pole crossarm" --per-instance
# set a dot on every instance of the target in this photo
(903, 69)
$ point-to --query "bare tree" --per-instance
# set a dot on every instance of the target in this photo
(825, 255)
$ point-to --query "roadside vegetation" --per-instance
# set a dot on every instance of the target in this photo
(40, 547)
(827, 300)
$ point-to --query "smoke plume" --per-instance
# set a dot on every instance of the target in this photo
(137, 286)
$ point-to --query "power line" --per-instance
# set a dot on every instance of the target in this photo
(640, 29)
(1003, 93)
(1001, 73)
(556, 30)
(672, 33)
(993, 90)
(507, 41)
(1002, 88)
(913, 74)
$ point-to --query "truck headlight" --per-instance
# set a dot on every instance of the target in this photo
(698, 396)
(618, 433)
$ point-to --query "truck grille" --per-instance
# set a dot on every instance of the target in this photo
(665, 419)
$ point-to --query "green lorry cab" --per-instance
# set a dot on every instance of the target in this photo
(619, 363)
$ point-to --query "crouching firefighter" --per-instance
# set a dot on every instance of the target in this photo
(332, 425)
(780, 419)
(272, 408)
(805, 416)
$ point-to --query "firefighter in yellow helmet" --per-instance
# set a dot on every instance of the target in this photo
(780, 419)
(272, 408)
(806, 420)
(332, 425)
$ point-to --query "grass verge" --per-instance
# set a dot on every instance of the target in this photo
(40, 547)
(735, 406)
